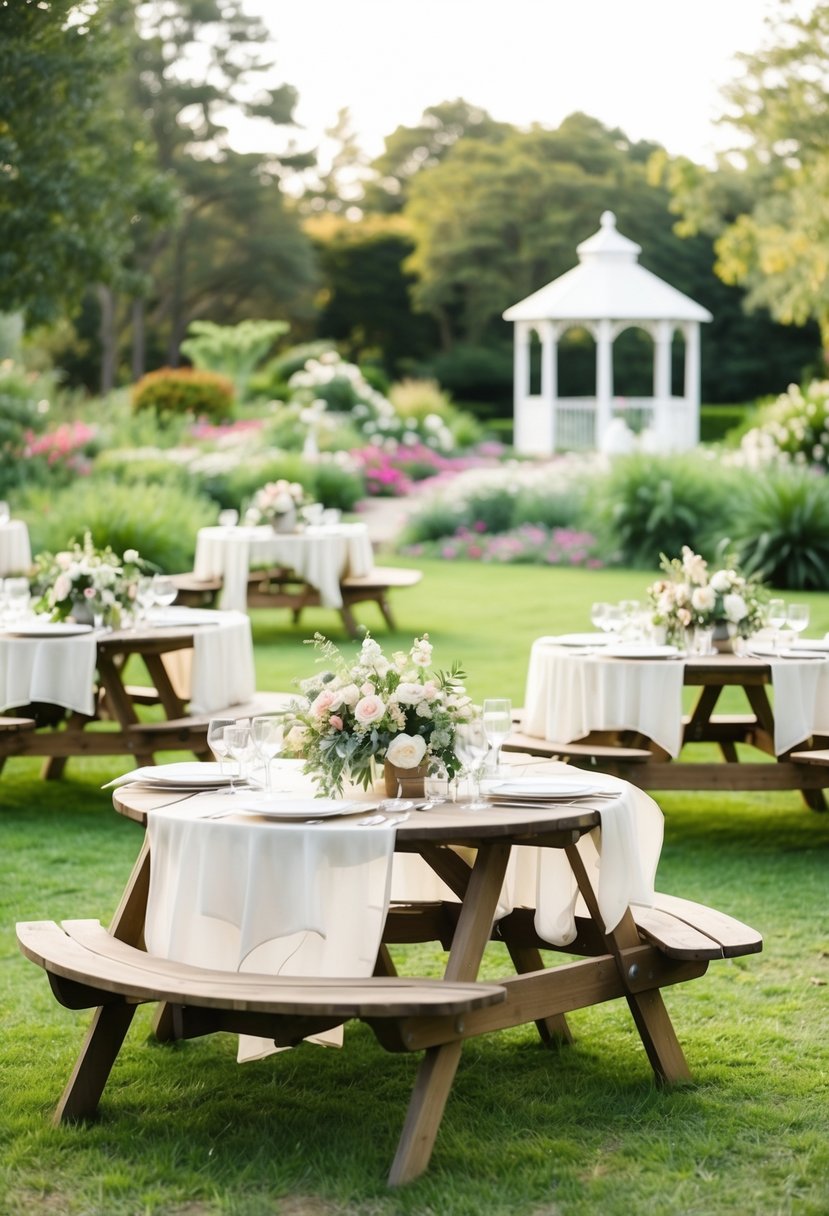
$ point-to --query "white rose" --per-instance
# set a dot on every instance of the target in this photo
(349, 694)
(721, 581)
(296, 737)
(703, 599)
(408, 694)
(406, 751)
(130, 555)
(736, 609)
(369, 709)
(62, 587)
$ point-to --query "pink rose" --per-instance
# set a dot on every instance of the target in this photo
(369, 709)
(323, 702)
(336, 721)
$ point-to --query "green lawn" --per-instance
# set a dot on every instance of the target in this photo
(527, 1131)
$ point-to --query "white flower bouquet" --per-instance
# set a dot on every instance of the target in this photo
(691, 594)
(376, 709)
(274, 501)
(84, 581)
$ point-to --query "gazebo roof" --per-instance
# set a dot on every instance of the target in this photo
(608, 284)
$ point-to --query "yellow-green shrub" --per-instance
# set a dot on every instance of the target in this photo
(183, 390)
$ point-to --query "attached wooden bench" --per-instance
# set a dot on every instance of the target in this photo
(191, 730)
(605, 758)
(194, 592)
(14, 727)
(375, 587)
(88, 968)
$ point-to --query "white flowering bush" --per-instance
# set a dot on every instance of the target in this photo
(692, 594)
(330, 385)
(794, 429)
(376, 709)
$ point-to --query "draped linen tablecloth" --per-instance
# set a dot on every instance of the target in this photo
(58, 671)
(570, 694)
(219, 671)
(322, 555)
(15, 550)
(292, 898)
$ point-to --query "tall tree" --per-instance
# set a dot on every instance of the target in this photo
(235, 247)
(71, 177)
(768, 204)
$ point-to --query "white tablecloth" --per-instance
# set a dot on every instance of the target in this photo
(311, 899)
(61, 671)
(570, 694)
(320, 555)
(15, 551)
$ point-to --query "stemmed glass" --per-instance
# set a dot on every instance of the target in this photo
(144, 597)
(267, 733)
(797, 617)
(238, 741)
(497, 720)
(164, 590)
(471, 747)
(777, 619)
(598, 612)
(216, 739)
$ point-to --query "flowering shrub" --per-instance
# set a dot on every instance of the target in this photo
(69, 446)
(82, 575)
(183, 390)
(527, 544)
(376, 709)
(793, 429)
(691, 594)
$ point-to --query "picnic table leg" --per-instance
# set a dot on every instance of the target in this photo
(648, 1009)
(552, 1029)
(438, 1067)
(110, 1023)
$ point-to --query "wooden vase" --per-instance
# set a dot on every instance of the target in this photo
(404, 782)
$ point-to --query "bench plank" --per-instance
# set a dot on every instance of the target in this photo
(734, 937)
(84, 953)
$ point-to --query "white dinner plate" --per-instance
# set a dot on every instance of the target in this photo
(821, 644)
(768, 652)
(48, 629)
(168, 618)
(185, 775)
(634, 650)
(532, 788)
(578, 639)
(273, 807)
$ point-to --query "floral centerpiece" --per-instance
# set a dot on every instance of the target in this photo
(375, 710)
(87, 583)
(276, 503)
(691, 594)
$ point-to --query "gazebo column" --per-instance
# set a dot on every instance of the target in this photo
(662, 386)
(604, 379)
(549, 378)
(692, 378)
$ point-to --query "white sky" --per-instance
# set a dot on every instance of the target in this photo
(652, 67)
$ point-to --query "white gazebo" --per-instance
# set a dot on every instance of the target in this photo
(607, 293)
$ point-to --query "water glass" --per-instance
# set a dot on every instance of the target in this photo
(777, 615)
(436, 782)
(17, 597)
(228, 518)
(497, 720)
(164, 590)
(797, 617)
(267, 733)
(216, 739)
(702, 641)
(238, 742)
(471, 747)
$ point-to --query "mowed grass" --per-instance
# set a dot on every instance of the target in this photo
(527, 1130)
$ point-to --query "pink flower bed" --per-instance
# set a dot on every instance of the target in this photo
(65, 445)
(529, 544)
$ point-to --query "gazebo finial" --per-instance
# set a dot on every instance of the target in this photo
(608, 219)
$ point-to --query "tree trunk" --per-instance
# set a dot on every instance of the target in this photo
(177, 325)
(139, 343)
(109, 345)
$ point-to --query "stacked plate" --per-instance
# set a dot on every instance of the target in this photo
(204, 775)
(540, 791)
(44, 628)
(272, 806)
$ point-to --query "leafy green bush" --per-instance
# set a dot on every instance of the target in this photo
(434, 520)
(647, 505)
(20, 394)
(149, 471)
(183, 390)
(717, 421)
(232, 350)
(781, 529)
(474, 373)
(551, 510)
(420, 398)
(335, 486)
(159, 521)
(279, 370)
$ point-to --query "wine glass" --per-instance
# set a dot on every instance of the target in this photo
(612, 620)
(797, 617)
(267, 732)
(777, 619)
(471, 747)
(598, 612)
(164, 590)
(238, 742)
(216, 739)
(144, 596)
(497, 720)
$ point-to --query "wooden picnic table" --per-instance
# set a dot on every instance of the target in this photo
(65, 732)
(650, 948)
(617, 740)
